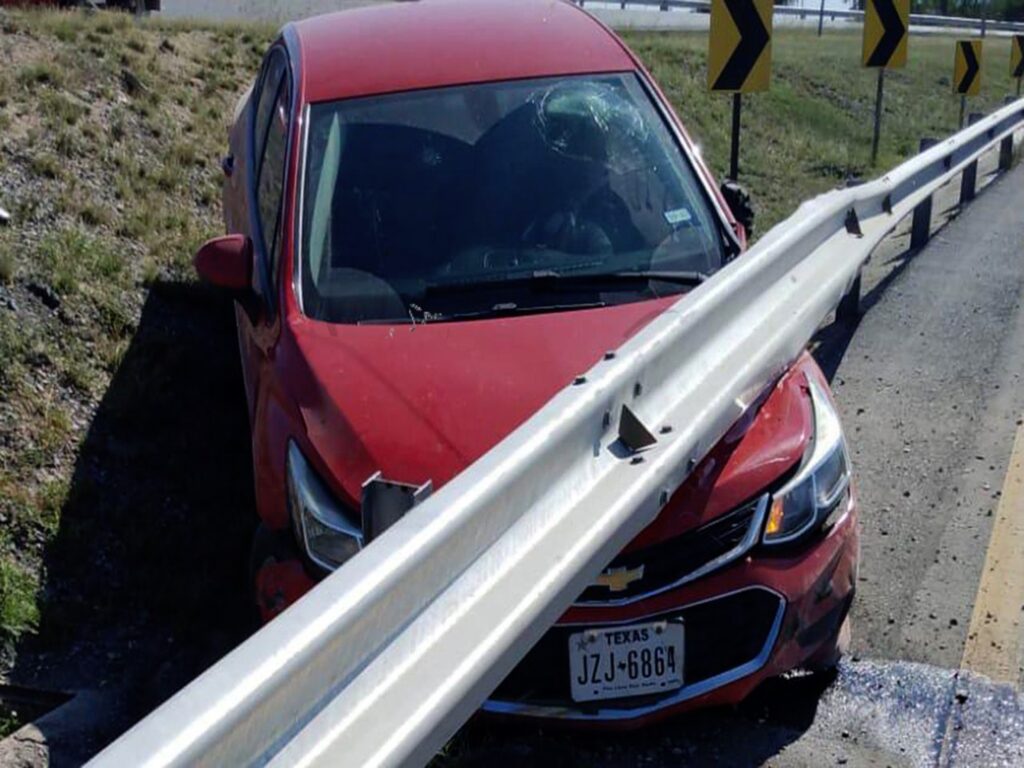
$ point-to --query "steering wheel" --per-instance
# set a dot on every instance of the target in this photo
(567, 232)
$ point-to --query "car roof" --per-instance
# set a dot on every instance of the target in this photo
(432, 43)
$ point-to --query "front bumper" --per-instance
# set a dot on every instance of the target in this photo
(751, 621)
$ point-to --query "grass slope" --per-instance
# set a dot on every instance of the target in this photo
(110, 135)
(812, 129)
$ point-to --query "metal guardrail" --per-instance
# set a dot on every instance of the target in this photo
(383, 661)
(916, 19)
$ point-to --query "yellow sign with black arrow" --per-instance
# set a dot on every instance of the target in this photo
(886, 25)
(740, 55)
(967, 68)
(1017, 57)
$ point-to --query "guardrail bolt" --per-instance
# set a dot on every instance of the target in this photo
(638, 389)
(853, 223)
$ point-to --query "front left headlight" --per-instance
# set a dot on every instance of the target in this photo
(325, 529)
(820, 486)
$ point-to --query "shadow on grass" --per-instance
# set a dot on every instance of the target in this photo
(146, 580)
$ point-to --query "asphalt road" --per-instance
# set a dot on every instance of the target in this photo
(930, 390)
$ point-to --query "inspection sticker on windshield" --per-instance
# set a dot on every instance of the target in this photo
(636, 660)
(678, 216)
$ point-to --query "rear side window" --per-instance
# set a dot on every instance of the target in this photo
(271, 144)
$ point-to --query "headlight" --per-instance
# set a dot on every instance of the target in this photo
(325, 529)
(820, 486)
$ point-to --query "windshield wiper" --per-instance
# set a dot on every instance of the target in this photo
(548, 278)
(498, 310)
(682, 277)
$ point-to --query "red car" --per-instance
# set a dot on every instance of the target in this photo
(444, 211)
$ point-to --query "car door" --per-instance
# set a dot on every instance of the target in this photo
(264, 171)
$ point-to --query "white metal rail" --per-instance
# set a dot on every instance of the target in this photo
(382, 662)
(916, 19)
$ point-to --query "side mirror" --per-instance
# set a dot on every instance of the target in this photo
(226, 262)
(738, 199)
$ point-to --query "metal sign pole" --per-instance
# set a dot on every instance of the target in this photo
(821, 17)
(963, 108)
(886, 24)
(739, 57)
(734, 154)
(878, 116)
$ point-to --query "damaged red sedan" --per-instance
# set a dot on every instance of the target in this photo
(440, 213)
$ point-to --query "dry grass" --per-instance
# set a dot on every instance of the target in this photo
(110, 168)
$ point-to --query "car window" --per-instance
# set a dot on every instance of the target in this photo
(274, 71)
(440, 204)
(271, 170)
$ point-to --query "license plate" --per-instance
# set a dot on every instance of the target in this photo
(637, 660)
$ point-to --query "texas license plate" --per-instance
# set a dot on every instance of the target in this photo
(636, 660)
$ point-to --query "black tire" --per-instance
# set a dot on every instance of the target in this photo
(267, 546)
(827, 659)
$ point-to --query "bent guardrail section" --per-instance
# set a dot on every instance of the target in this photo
(383, 661)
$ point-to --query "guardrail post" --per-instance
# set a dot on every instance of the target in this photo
(1006, 145)
(1006, 153)
(921, 226)
(969, 178)
(848, 311)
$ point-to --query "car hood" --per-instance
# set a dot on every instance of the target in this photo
(423, 402)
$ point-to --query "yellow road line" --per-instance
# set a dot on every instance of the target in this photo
(993, 645)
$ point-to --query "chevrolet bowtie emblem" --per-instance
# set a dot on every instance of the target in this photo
(619, 579)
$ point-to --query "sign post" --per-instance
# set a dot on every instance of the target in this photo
(885, 47)
(967, 72)
(1017, 59)
(739, 57)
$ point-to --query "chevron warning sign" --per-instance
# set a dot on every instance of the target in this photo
(967, 67)
(740, 55)
(1017, 57)
(886, 33)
